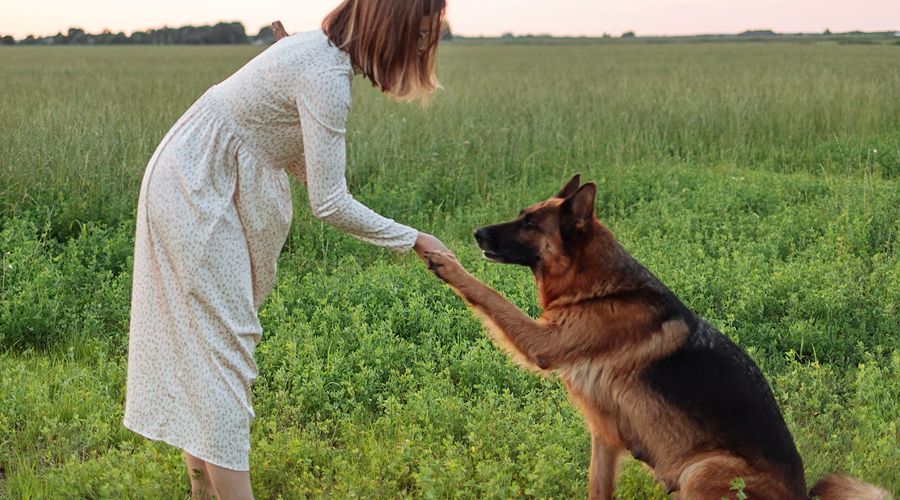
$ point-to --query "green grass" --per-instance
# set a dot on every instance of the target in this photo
(760, 182)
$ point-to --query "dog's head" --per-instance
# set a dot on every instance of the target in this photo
(546, 236)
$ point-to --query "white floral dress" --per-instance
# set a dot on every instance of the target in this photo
(213, 214)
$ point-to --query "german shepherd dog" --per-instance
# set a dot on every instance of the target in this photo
(648, 374)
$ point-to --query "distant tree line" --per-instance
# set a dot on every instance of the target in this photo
(511, 36)
(234, 33)
(221, 33)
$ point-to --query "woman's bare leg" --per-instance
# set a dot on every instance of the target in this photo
(201, 486)
(211, 481)
(230, 484)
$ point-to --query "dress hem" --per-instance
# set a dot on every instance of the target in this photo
(171, 442)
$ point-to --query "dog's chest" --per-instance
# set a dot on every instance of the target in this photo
(607, 397)
(600, 381)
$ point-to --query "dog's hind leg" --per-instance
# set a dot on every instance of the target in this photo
(711, 478)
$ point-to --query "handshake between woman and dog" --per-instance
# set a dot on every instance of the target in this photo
(648, 374)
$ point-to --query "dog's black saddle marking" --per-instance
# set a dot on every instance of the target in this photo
(716, 383)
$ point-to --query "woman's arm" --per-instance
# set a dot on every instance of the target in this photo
(323, 103)
(320, 138)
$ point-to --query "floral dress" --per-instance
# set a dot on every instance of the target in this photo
(213, 214)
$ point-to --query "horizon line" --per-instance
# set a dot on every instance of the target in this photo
(481, 35)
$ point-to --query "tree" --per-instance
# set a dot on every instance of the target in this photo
(76, 36)
(139, 37)
(629, 34)
(7, 40)
(265, 35)
(227, 33)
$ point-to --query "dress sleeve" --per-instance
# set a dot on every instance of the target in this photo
(323, 112)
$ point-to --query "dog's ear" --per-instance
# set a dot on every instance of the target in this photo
(570, 188)
(578, 209)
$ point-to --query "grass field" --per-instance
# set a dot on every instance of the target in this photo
(760, 182)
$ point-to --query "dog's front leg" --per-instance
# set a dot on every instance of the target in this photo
(604, 464)
(528, 340)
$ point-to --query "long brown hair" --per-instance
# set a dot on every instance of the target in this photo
(384, 41)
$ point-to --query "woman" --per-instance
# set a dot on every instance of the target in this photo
(214, 212)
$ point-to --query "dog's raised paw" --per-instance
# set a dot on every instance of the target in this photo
(437, 259)
(442, 264)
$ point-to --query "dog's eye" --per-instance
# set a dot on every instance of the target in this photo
(528, 224)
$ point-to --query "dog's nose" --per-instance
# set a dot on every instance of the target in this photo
(480, 235)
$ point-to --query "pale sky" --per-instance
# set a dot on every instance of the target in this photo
(470, 17)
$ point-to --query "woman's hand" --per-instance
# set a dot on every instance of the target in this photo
(428, 243)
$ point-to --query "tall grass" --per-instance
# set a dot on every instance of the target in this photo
(759, 181)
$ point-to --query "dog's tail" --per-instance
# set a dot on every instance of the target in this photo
(844, 487)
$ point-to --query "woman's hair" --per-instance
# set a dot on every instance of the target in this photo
(384, 40)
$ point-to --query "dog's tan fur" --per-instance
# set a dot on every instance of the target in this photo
(598, 338)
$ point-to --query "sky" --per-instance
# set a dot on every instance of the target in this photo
(470, 17)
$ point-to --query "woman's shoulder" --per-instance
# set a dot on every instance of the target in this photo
(312, 37)
(321, 74)
(314, 47)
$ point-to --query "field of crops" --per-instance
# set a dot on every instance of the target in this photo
(761, 182)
